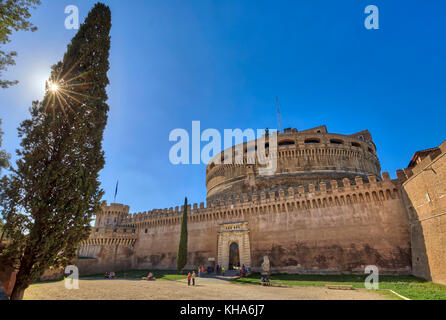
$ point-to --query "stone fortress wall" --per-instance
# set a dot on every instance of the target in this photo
(320, 230)
(335, 217)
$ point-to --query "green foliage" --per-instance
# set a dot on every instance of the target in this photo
(409, 286)
(182, 247)
(4, 157)
(14, 16)
(49, 199)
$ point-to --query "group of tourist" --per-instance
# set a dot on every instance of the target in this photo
(220, 269)
(201, 270)
(264, 280)
(109, 275)
(191, 277)
(243, 271)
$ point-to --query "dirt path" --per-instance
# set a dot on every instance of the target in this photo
(212, 289)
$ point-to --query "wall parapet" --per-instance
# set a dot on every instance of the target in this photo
(324, 194)
(408, 173)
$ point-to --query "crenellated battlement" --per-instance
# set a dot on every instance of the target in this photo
(325, 194)
(420, 161)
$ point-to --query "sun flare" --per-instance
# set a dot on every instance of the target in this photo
(53, 87)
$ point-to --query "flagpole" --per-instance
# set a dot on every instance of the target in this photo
(116, 191)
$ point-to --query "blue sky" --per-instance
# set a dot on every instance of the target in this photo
(224, 62)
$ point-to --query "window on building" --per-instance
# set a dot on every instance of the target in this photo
(336, 141)
(312, 141)
(286, 143)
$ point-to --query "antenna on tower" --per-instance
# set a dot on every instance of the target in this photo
(278, 114)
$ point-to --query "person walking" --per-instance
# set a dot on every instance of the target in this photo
(188, 279)
(193, 278)
(199, 271)
(223, 270)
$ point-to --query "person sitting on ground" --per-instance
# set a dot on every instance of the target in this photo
(149, 277)
(107, 275)
(112, 275)
(265, 280)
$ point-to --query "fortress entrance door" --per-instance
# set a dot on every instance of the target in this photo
(234, 256)
(233, 245)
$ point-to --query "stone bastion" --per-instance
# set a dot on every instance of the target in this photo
(303, 157)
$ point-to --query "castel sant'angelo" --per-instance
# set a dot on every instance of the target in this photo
(327, 209)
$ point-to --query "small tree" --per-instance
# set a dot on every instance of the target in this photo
(182, 247)
(14, 16)
(48, 201)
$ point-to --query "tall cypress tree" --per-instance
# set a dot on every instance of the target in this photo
(182, 247)
(49, 200)
(4, 157)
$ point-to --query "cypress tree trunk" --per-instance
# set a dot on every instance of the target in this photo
(49, 200)
(182, 247)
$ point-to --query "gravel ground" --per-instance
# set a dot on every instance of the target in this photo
(210, 289)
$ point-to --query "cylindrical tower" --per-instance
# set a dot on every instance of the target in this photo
(304, 157)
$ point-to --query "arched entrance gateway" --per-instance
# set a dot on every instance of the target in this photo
(233, 245)
(234, 256)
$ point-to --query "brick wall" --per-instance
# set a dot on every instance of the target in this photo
(425, 197)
